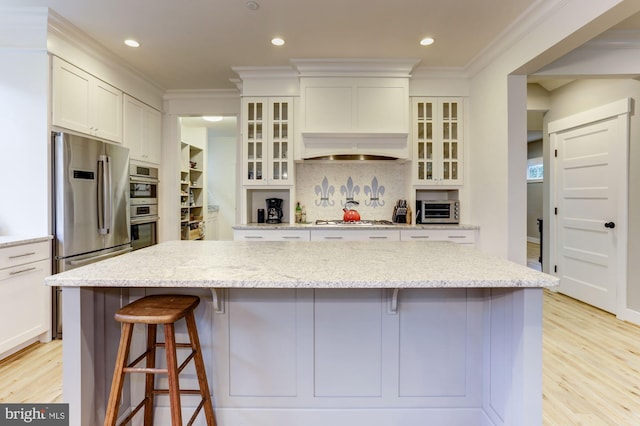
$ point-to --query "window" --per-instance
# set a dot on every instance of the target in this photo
(535, 170)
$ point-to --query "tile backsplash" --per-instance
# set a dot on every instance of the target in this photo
(324, 188)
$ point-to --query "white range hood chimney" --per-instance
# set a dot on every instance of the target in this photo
(354, 108)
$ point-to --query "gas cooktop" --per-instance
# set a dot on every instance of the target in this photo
(353, 223)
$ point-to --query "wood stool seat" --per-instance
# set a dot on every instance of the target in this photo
(152, 311)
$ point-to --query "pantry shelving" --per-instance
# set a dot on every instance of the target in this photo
(192, 192)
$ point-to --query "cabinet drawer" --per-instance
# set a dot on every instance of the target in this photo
(25, 303)
(355, 235)
(462, 236)
(25, 253)
(270, 235)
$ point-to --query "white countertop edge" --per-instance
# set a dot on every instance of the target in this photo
(324, 285)
(313, 226)
(17, 240)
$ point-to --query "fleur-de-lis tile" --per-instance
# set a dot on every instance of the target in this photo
(349, 191)
(325, 192)
(375, 193)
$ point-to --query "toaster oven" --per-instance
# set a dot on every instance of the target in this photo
(437, 211)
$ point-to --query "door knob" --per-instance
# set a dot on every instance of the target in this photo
(610, 225)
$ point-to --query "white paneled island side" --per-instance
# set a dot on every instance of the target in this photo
(317, 333)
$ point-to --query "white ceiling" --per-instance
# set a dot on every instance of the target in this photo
(193, 44)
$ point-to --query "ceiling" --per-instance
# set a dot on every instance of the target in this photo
(194, 44)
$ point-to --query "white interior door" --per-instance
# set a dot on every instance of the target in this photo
(590, 182)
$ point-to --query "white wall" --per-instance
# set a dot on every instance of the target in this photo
(24, 146)
(222, 183)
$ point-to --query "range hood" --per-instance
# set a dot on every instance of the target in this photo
(354, 109)
(355, 146)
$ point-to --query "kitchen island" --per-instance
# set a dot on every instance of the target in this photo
(317, 333)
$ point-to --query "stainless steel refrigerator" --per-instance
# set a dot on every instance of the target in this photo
(91, 205)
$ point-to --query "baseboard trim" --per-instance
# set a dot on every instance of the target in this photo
(629, 315)
(533, 240)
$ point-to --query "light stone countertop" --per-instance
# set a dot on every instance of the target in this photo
(313, 226)
(15, 240)
(287, 264)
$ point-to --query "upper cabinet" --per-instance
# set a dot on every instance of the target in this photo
(437, 141)
(267, 125)
(356, 115)
(83, 103)
(142, 130)
(354, 105)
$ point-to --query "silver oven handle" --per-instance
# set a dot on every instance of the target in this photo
(145, 219)
(142, 179)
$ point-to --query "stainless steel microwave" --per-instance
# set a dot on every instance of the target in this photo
(437, 211)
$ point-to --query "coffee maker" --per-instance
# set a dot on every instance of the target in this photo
(274, 210)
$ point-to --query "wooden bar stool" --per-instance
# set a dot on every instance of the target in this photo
(154, 310)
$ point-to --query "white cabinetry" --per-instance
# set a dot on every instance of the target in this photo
(437, 141)
(25, 301)
(267, 141)
(142, 130)
(345, 349)
(271, 235)
(355, 235)
(359, 105)
(354, 116)
(458, 236)
(83, 103)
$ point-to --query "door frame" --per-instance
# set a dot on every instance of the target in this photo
(620, 109)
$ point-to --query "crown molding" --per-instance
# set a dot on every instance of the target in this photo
(363, 67)
(535, 15)
(264, 72)
(171, 95)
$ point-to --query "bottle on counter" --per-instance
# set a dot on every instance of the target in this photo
(298, 213)
(303, 215)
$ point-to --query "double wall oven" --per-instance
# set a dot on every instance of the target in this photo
(143, 204)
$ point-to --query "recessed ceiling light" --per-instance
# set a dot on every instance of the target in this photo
(212, 118)
(131, 43)
(252, 5)
(277, 41)
(426, 41)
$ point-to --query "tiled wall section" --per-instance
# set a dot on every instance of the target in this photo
(323, 188)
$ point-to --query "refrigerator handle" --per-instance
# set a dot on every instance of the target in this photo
(108, 197)
(104, 194)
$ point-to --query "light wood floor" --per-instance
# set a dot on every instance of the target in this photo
(591, 368)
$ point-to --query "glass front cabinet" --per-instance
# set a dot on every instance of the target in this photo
(267, 141)
(437, 141)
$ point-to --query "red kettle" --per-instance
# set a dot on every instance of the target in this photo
(350, 215)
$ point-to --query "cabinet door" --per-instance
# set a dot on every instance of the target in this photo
(106, 111)
(268, 143)
(254, 116)
(437, 140)
(25, 303)
(279, 151)
(152, 135)
(71, 105)
(141, 130)
(133, 134)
